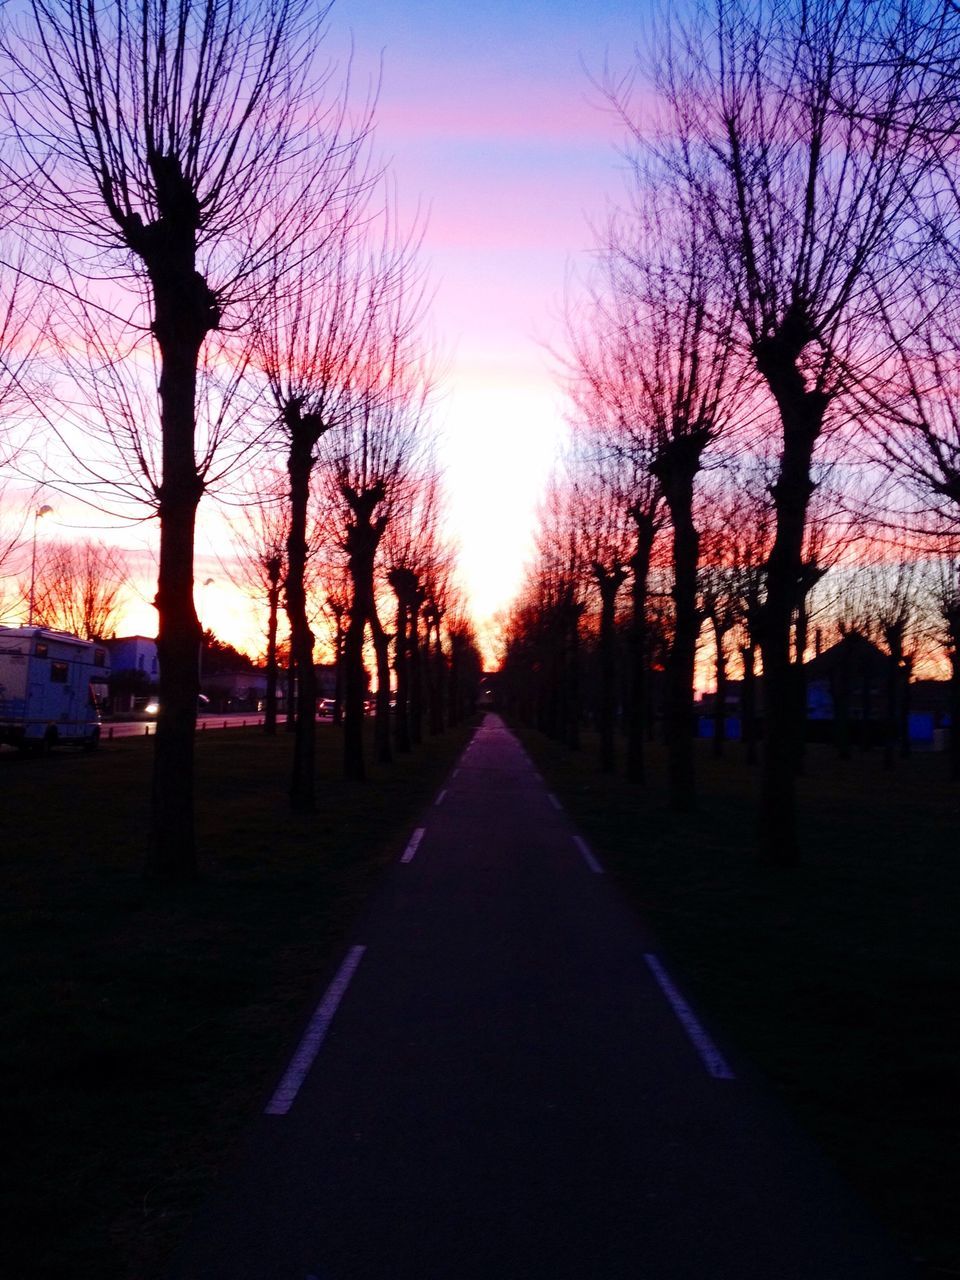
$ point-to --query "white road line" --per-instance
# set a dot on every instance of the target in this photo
(440, 797)
(313, 1037)
(554, 801)
(412, 847)
(588, 857)
(712, 1059)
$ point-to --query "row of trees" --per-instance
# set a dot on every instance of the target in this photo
(379, 590)
(205, 278)
(570, 641)
(777, 299)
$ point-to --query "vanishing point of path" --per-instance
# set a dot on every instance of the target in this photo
(502, 1081)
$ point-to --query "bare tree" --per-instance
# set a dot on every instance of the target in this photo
(612, 415)
(466, 664)
(412, 551)
(602, 508)
(897, 593)
(365, 465)
(79, 588)
(679, 305)
(718, 604)
(187, 144)
(796, 127)
(313, 339)
(261, 536)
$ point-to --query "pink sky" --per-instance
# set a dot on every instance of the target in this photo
(490, 122)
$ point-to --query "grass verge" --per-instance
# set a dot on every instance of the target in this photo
(838, 979)
(142, 1025)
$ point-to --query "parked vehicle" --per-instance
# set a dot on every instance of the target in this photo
(52, 685)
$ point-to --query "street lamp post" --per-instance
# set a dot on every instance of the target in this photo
(37, 517)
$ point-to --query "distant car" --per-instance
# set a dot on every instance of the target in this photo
(153, 706)
(325, 707)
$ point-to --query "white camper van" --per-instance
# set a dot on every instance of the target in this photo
(52, 685)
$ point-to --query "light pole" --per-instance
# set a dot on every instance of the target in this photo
(37, 517)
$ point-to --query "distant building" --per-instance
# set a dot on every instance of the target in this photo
(134, 653)
(847, 694)
(134, 671)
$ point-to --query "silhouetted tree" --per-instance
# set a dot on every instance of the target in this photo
(187, 145)
(796, 129)
(313, 340)
(79, 588)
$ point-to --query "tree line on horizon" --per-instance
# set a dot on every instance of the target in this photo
(763, 369)
(206, 288)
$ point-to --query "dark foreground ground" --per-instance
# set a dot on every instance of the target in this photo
(840, 979)
(503, 1081)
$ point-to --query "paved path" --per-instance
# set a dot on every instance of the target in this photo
(502, 1082)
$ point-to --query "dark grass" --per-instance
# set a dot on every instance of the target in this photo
(142, 1025)
(838, 979)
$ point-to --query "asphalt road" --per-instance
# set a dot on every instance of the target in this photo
(504, 1081)
(207, 720)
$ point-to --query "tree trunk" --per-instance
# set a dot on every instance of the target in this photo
(401, 663)
(681, 657)
(748, 702)
(363, 538)
(338, 669)
(801, 414)
(571, 676)
(290, 676)
(355, 675)
(720, 704)
(172, 853)
(640, 568)
(416, 670)
(381, 723)
(609, 583)
(302, 786)
(273, 601)
(435, 664)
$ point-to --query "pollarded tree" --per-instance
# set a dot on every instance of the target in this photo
(798, 128)
(748, 521)
(261, 535)
(364, 466)
(175, 150)
(439, 597)
(465, 666)
(412, 549)
(612, 419)
(313, 342)
(677, 304)
(602, 508)
(560, 580)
